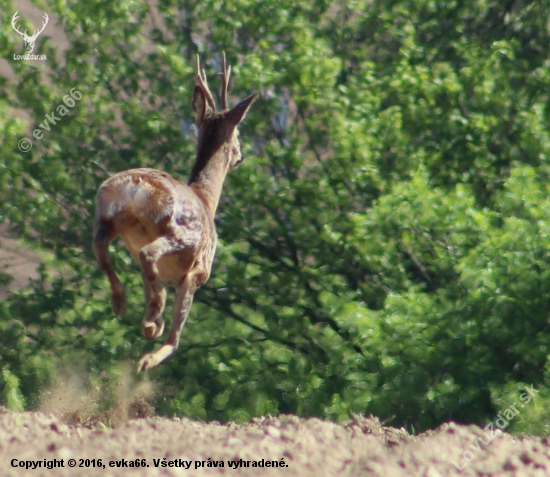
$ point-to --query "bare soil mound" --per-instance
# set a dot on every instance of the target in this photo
(281, 446)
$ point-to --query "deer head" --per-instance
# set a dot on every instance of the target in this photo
(217, 128)
(29, 40)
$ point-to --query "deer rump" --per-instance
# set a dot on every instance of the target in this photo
(144, 204)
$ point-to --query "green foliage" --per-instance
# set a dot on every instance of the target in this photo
(384, 245)
(12, 396)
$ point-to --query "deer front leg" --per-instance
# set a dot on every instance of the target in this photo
(182, 306)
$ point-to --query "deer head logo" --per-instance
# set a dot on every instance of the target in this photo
(29, 40)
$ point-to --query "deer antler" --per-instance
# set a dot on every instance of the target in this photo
(36, 33)
(203, 83)
(13, 24)
(226, 74)
(24, 35)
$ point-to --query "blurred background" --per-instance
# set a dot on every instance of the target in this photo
(383, 247)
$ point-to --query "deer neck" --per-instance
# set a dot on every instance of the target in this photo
(207, 181)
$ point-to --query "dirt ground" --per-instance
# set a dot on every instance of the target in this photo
(301, 447)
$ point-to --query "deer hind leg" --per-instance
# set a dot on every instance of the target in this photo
(155, 293)
(104, 233)
(184, 300)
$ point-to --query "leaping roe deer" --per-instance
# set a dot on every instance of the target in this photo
(168, 226)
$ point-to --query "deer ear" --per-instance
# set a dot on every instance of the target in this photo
(236, 115)
(199, 104)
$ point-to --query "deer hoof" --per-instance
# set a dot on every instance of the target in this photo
(152, 329)
(150, 360)
(146, 362)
